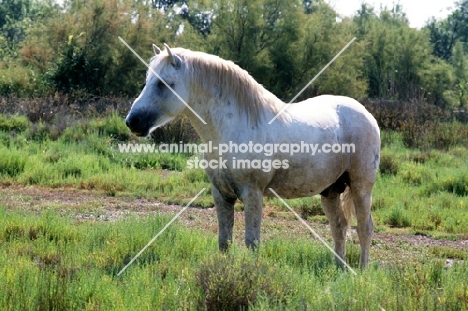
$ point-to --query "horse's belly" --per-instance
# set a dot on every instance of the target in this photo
(303, 180)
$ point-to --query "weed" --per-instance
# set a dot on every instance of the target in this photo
(12, 162)
(444, 252)
(229, 283)
(12, 232)
(397, 218)
(112, 126)
(388, 165)
(308, 207)
(15, 123)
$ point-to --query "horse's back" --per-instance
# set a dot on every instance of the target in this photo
(331, 108)
(344, 121)
(344, 116)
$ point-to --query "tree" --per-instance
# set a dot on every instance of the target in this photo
(16, 16)
(284, 45)
(445, 33)
(244, 31)
(460, 66)
(396, 55)
(78, 49)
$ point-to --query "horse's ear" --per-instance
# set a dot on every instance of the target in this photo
(156, 50)
(175, 60)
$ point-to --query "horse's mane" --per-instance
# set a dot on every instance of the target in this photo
(207, 71)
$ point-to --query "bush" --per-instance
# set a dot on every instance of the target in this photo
(73, 106)
(20, 80)
(388, 165)
(175, 132)
(12, 162)
(415, 174)
(398, 218)
(13, 123)
(457, 184)
(448, 134)
(395, 115)
(234, 284)
(112, 126)
(422, 125)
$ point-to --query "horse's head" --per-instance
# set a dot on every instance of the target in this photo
(161, 100)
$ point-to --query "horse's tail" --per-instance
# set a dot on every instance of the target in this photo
(347, 206)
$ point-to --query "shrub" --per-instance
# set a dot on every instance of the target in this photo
(388, 165)
(74, 134)
(234, 284)
(38, 131)
(17, 79)
(457, 184)
(394, 115)
(448, 252)
(448, 134)
(112, 126)
(416, 174)
(175, 132)
(420, 157)
(308, 207)
(13, 123)
(422, 125)
(12, 162)
(73, 106)
(397, 218)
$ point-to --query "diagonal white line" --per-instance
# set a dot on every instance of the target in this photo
(281, 199)
(311, 81)
(313, 231)
(316, 235)
(160, 232)
(159, 77)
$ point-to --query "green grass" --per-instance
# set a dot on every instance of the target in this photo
(53, 261)
(426, 190)
(86, 156)
(50, 260)
(421, 189)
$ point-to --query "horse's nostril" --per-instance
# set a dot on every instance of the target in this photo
(132, 121)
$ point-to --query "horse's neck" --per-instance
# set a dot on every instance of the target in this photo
(223, 118)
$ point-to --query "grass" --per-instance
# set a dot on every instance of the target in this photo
(53, 261)
(422, 189)
(86, 156)
(426, 189)
(50, 260)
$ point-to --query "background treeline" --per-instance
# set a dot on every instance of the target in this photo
(72, 48)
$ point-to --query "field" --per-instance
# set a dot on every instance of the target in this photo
(74, 211)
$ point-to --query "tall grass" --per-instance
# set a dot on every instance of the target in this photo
(422, 185)
(55, 262)
(425, 190)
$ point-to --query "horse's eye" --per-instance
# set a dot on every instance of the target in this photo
(160, 84)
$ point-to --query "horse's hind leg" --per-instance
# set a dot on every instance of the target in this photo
(338, 223)
(225, 211)
(362, 198)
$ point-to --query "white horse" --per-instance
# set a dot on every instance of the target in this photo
(237, 111)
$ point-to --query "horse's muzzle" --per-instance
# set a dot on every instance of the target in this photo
(139, 123)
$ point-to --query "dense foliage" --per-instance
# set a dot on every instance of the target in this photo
(73, 47)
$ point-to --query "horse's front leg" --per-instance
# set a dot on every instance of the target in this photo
(225, 211)
(253, 205)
